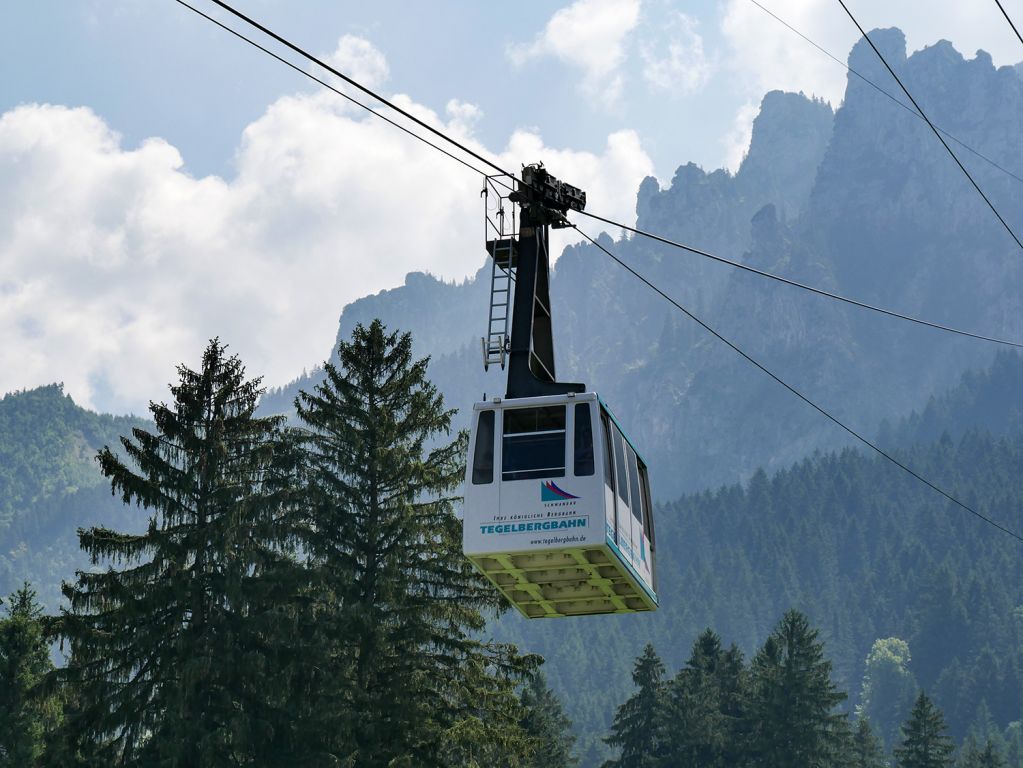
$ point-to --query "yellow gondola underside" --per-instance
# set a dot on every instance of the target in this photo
(566, 582)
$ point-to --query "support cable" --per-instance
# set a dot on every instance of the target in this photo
(937, 133)
(611, 222)
(355, 84)
(827, 414)
(802, 286)
(621, 263)
(883, 92)
(1006, 15)
(330, 87)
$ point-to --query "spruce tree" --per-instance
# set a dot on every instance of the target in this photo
(169, 643)
(925, 743)
(793, 699)
(26, 711)
(867, 748)
(696, 724)
(733, 681)
(407, 681)
(972, 756)
(991, 756)
(640, 727)
(546, 725)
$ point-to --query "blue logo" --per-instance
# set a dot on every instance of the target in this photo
(550, 492)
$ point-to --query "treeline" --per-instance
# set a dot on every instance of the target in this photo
(298, 597)
(781, 710)
(866, 552)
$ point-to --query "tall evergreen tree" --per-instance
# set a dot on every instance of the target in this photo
(793, 699)
(26, 712)
(169, 643)
(867, 748)
(991, 756)
(696, 724)
(640, 726)
(973, 756)
(546, 726)
(925, 743)
(733, 680)
(407, 680)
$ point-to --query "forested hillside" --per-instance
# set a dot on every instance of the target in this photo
(50, 485)
(866, 551)
(763, 505)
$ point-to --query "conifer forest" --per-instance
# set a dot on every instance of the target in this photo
(617, 463)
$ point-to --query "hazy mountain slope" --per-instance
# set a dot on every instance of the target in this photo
(50, 485)
(863, 201)
(605, 323)
(866, 551)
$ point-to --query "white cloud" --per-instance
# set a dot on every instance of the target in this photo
(360, 60)
(673, 57)
(766, 55)
(589, 35)
(115, 264)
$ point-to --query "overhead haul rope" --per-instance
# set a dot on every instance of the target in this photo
(803, 286)
(821, 410)
(666, 241)
(330, 87)
(937, 133)
(621, 263)
(1006, 15)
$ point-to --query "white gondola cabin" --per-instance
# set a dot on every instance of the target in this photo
(557, 507)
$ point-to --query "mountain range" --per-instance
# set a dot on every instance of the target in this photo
(762, 506)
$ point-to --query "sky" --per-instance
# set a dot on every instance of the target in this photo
(162, 183)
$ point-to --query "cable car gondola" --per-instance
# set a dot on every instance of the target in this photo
(557, 511)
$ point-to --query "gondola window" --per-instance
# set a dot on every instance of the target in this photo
(637, 511)
(534, 443)
(483, 458)
(583, 441)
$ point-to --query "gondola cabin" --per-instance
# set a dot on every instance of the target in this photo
(557, 507)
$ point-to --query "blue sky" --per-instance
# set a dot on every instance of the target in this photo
(166, 183)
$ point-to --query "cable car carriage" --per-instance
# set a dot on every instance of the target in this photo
(557, 511)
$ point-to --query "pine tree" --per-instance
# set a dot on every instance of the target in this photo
(407, 681)
(733, 682)
(546, 725)
(793, 699)
(639, 729)
(925, 743)
(972, 756)
(867, 748)
(169, 661)
(26, 712)
(991, 756)
(697, 731)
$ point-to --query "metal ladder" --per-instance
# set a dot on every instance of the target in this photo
(495, 344)
(503, 249)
